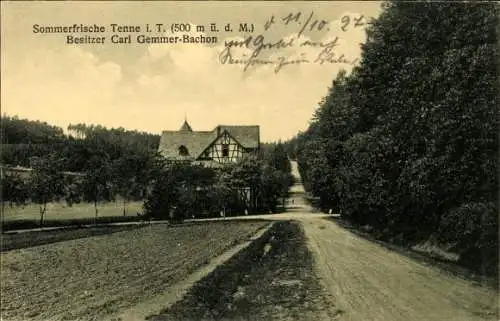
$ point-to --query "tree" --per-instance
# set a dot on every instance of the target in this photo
(161, 200)
(408, 140)
(72, 189)
(191, 181)
(434, 106)
(291, 147)
(97, 182)
(273, 185)
(178, 191)
(246, 174)
(266, 183)
(222, 191)
(45, 182)
(279, 160)
(126, 172)
(14, 190)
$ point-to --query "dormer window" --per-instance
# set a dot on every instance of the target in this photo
(183, 151)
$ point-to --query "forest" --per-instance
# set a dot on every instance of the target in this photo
(23, 139)
(406, 144)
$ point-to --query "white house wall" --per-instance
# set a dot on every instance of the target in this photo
(234, 150)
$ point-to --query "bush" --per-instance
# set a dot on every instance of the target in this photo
(473, 229)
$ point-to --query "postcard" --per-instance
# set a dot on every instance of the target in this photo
(261, 160)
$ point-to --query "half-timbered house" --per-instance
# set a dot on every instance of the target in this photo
(222, 145)
(217, 148)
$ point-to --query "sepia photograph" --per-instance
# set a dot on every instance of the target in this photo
(249, 160)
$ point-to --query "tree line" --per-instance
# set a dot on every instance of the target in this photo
(24, 139)
(103, 180)
(407, 142)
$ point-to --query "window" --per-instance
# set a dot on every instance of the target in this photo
(183, 151)
(225, 150)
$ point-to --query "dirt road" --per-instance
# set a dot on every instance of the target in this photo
(368, 282)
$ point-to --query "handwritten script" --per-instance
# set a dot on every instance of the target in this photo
(262, 51)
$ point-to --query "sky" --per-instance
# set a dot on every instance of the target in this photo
(154, 87)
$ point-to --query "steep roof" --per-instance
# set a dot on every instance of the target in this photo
(247, 136)
(197, 141)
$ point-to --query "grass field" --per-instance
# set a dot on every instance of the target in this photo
(87, 278)
(61, 211)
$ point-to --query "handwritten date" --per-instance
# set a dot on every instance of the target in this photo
(309, 23)
(312, 24)
(352, 21)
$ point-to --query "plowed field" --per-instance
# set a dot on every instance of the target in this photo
(85, 279)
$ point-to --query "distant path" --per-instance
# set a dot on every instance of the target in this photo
(297, 192)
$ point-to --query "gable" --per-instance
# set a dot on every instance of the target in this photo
(224, 149)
